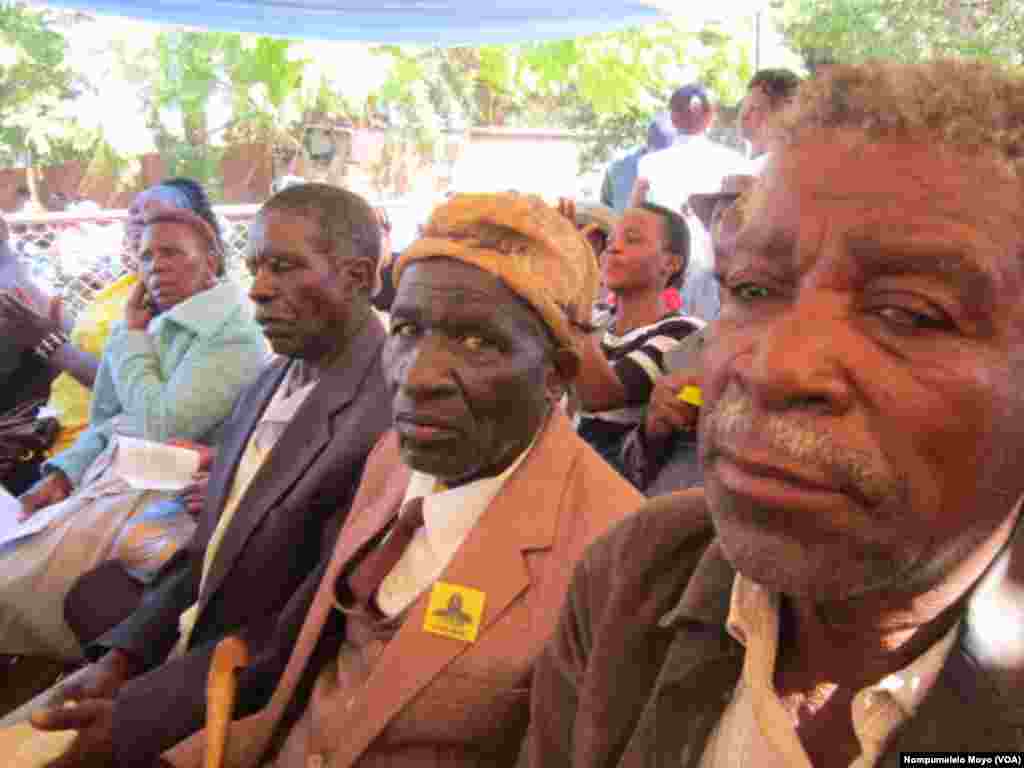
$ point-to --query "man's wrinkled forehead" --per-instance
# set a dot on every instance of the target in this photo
(168, 237)
(264, 237)
(466, 288)
(465, 285)
(813, 193)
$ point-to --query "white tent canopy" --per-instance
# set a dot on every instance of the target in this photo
(435, 22)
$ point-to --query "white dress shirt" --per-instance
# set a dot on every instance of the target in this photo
(288, 398)
(448, 517)
(756, 730)
(693, 164)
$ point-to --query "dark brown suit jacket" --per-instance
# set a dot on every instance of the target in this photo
(641, 667)
(270, 560)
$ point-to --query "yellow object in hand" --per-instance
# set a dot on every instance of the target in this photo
(691, 395)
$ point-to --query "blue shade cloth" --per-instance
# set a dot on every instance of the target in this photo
(435, 22)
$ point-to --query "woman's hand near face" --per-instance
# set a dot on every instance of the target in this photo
(138, 311)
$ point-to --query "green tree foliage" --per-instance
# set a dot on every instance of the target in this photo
(36, 88)
(718, 56)
(190, 70)
(271, 87)
(824, 31)
(607, 86)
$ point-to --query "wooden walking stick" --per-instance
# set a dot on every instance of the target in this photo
(230, 655)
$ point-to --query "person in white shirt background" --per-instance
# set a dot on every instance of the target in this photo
(768, 93)
(693, 164)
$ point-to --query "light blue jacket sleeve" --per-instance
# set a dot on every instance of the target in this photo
(193, 399)
(93, 440)
(177, 384)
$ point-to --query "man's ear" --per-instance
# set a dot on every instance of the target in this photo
(565, 365)
(673, 263)
(708, 117)
(213, 263)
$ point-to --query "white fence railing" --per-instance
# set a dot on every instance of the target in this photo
(75, 254)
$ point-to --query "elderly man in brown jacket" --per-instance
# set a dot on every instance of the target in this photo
(847, 586)
(447, 578)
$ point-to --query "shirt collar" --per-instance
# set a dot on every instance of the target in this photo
(204, 313)
(877, 709)
(908, 686)
(706, 596)
(688, 138)
(287, 400)
(995, 614)
(449, 514)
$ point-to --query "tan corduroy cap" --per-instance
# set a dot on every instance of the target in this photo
(536, 251)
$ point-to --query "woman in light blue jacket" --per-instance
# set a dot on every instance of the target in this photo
(172, 371)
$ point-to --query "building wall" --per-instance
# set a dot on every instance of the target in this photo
(481, 160)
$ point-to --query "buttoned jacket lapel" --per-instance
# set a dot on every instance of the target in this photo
(377, 502)
(977, 702)
(303, 440)
(962, 712)
(698, 676)
(491, 560)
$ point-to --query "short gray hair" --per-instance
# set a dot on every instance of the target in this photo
(973, 106)
(342, 217)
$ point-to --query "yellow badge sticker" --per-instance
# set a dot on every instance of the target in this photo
(691, 395)
(454, 611)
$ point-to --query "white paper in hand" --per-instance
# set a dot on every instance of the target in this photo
(11, 529)
(9, 509)
(154, 466)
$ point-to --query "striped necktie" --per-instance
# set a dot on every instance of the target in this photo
(367, 576)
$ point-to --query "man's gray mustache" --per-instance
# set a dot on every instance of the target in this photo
(795, 441)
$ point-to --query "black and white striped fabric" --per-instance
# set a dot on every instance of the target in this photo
(638, 360)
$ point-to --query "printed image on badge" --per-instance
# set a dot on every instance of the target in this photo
(454, 611)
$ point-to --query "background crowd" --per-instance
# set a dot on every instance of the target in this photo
(422, 475)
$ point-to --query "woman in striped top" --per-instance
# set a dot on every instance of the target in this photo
(648, 249)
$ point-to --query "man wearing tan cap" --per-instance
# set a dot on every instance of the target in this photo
(447, 578)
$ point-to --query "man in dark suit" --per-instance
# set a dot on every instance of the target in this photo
(279, 488)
